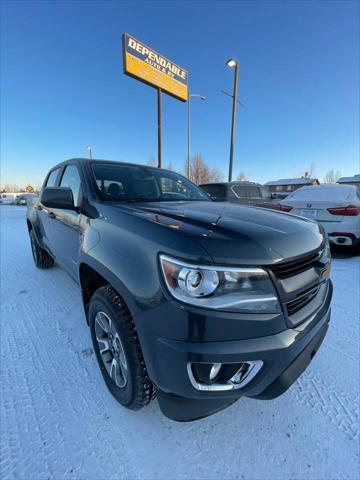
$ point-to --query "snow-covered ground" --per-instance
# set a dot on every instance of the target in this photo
(58, 419)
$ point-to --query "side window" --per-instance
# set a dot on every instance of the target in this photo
(71, 179)
(51, 180)
(239, 191)
(266, 195)
(253, 192)
(215, 191)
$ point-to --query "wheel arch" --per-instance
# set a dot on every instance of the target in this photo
(92, 276)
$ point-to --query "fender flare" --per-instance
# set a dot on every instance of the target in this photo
(111, 278)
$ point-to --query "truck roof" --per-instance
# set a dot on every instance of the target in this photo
(235, 182)
(100, 160)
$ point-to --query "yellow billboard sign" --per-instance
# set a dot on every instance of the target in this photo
(147, 65)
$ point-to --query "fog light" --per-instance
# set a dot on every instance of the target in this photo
(218, 377)
(214, 371)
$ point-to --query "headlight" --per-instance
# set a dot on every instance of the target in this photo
(220, 288)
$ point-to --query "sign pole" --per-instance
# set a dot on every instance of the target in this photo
(159, 128)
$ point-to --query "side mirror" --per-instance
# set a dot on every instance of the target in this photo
(58, 197)
(273, 195)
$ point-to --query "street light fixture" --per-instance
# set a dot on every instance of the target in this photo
(188, 149)
(90, 151)
(233, 64)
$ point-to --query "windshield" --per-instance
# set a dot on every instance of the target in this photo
(133, 183)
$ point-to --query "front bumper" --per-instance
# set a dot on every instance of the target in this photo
(285, 355)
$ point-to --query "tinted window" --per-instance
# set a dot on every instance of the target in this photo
(239, 191)
(51, 181)
(143, 184)
(246, 191)
(253, 192)
(265, 193)
(71, 179)
(215, 191)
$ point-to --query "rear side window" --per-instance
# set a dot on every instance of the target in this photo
(246, 191)
(253, 192)
(239, 191)
(71, 179)
(266, 195)
(51, 180)
(215, 191)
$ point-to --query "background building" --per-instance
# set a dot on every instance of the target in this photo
(354, 180)
(288, 185)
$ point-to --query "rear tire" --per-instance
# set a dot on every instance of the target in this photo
(41, 257)
(118, 350)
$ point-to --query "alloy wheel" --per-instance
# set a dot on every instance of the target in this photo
(111, 349)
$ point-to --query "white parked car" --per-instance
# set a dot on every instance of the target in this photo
(336, 207)
(7, 198)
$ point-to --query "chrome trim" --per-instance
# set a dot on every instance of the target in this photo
(211, 267)
(255, 366)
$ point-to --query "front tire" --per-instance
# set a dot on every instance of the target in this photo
(41, 257)
(118, 350)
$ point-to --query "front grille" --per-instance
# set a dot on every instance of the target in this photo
(301, 300)
(289, 269)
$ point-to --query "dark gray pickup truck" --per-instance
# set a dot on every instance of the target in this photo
(196, 301)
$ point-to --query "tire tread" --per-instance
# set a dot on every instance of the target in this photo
(143, 388)
(43, 260)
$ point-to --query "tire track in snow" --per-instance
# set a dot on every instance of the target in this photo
(56, 395)
(49, 371)
(341, 410)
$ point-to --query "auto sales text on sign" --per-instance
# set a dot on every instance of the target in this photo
(147, 65)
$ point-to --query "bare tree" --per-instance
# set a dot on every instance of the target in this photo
(311, 169)
(170, 166)
(309, 172)
(242, 177)
(332, 176)
(152, 162)
(200, 172)
(11, 188)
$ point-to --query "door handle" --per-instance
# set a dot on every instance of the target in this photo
(51, 214)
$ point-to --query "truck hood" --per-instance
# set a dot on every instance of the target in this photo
(235, 234)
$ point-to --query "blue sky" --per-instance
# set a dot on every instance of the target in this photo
(63, 86)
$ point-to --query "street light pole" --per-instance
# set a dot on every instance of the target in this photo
(188, 142)
(233, 64)
(90, 151)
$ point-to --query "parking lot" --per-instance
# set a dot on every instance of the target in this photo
(58, 419)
